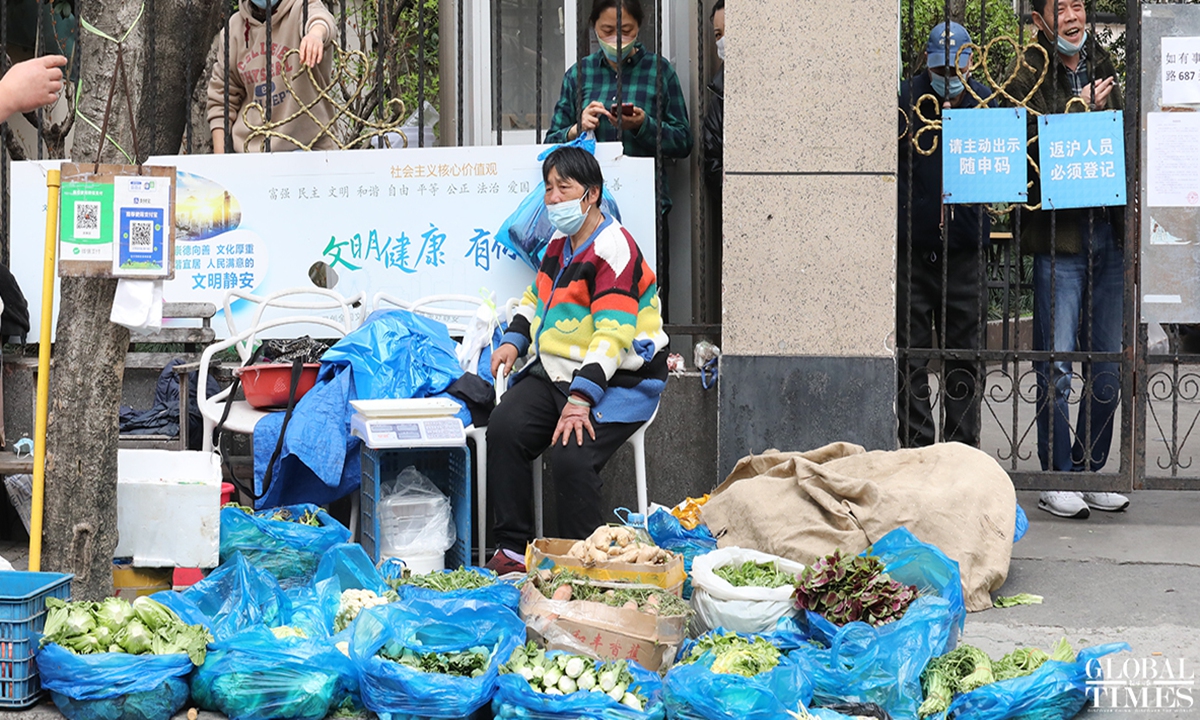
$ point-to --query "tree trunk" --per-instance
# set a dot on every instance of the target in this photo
(161, 58)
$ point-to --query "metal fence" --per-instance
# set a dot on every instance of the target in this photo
(1018, 327)
(491, 69)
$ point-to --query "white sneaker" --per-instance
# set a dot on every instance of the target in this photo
(1064, 504)
(1106, 501)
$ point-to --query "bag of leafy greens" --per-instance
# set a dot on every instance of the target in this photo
(287, 542)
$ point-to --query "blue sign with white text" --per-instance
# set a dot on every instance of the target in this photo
(1082, 159)
(983, 156)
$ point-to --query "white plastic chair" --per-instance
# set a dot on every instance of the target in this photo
(637, 441)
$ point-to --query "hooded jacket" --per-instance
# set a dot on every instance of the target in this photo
(248, 76)
(1066, 233)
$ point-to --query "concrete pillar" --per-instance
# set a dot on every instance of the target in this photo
(810, 226)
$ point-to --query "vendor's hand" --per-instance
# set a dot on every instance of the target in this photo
(590, 119)
(574, 419)
(1095, 94)
(30, 85)
(632, 122)
(504, 355)
(312, 47)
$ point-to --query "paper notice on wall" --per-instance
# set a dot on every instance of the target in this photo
(1173, 159)
(1180, 70)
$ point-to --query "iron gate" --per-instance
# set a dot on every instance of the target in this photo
(970, 346)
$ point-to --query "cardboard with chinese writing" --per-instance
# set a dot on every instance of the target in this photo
(551, 554)
(1082, 159)
(101, 211)
(602, 631)
(1180, 70)
(983, 156)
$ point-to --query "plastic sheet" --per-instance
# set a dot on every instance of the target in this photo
(256, 676)
(516, 699)
(114, 686)
(290, 551)
(431, 626)
(667, 532)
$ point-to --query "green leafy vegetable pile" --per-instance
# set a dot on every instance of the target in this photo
(968, 668)
(855, 588)
(568, 585)
(283, 515)
(753, 574)
(145, 627)
(460, 579)
(564, 674)
(469, 663)
(735, 655)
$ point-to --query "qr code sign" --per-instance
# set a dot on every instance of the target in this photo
(87, 220)
(141, 236)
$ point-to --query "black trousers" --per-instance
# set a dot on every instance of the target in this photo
(519, 430)
(919, 325)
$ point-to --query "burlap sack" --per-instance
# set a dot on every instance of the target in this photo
(802, 506)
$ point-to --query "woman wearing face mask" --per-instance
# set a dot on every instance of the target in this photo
(591, 327)
(589, 94)
(714, 119)
(247, 76)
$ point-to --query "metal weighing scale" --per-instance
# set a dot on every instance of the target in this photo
(426, 422)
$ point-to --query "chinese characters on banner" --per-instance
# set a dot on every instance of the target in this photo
(1082, 159)
(1180, 70)
(983, 156)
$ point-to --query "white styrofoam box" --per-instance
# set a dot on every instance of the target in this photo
(169, 508)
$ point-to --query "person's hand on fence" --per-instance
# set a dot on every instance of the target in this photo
(574, 420)
(1096, 93)
(312, 46)
(504, 355)
(31, 84)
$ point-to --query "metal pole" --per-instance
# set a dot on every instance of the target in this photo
(53, 181)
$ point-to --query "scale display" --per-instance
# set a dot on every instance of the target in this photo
(379, 432)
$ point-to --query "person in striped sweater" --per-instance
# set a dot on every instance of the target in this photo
(591, 328)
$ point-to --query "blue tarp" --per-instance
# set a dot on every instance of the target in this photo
(395, 354)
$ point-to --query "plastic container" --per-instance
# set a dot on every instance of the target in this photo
(268, 385)
(227, 491)
(168, 508)
(23, 615)
(422, 564)
(404, 521)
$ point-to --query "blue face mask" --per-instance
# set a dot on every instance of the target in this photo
(946, 88)
(567, 216)
(1066, 48)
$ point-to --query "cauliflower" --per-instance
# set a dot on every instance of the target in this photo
(353, 602)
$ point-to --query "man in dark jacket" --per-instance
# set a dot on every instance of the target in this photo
(940, 253)
(714, 119)
(1078, 261)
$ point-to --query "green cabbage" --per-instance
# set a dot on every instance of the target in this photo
(114, 614)
(153, 614)
(135, 638)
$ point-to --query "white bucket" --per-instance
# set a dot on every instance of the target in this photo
(423, 564)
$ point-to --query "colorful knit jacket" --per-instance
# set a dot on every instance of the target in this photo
(591, 316)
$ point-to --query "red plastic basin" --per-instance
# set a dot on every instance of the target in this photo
(227, 490)
(266, 386)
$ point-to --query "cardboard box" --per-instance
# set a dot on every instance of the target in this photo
(602, 631)
(551, 554)
(130, 583)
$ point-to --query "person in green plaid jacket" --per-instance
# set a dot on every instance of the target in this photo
(635, 122)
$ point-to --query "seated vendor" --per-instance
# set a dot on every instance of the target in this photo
(591, 327)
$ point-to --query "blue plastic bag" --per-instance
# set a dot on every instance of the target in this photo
(345, 567)
(431, 626)
(1022, 525)
(232, 598)
(912, 562)
(694, 692)
(1055, 691)
(501, 593)
(882, 665)
(114, 686)
(290, 551)
(527, 231)
(516, 699)
(667, 532)
(256, 676)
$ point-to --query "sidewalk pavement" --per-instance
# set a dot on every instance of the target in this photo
(1117, 577)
